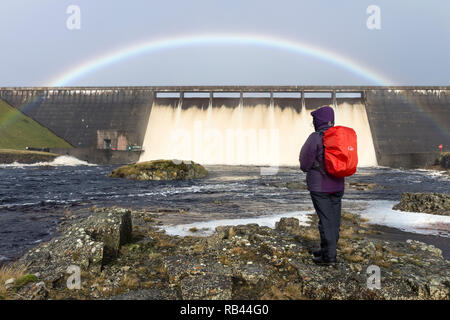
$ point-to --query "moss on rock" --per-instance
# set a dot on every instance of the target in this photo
(161, 170)
(25, 280)
(434, 203)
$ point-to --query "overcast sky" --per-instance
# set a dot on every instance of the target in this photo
(411, 47)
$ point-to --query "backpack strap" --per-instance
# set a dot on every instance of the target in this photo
(318, 166)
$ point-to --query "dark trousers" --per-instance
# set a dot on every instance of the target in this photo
(328, 208)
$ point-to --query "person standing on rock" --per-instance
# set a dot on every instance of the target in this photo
(326, 191)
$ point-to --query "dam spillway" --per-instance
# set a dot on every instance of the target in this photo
(396, 126)
(247, 134)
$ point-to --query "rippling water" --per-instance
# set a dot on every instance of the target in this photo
(34, 198)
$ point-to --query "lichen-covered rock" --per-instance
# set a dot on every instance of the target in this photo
(112, 228)
(148, 294)
(206, 287)
(88, 244)
(251, 262)
(161, 170)
(435, 203)
(289, 225)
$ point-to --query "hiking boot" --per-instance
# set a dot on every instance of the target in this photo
(320, 261)
(317, 253)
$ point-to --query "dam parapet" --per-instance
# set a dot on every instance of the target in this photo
(405, 125)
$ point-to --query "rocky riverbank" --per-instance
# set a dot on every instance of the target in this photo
(444, 161)
(27, 157)
(434, 203)
(161, 170)
(124, 254)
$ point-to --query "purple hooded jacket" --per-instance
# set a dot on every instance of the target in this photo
(312, 155)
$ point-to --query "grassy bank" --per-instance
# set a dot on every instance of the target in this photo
(24, 156)
(17, 131)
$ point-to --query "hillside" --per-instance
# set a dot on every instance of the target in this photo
(17, 131)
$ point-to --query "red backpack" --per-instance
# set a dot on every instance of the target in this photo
(341, 157)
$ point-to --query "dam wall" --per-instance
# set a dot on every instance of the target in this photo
(408, 125)
(104, 124)
(87, 117)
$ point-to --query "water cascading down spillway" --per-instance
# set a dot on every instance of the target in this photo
(243, 133)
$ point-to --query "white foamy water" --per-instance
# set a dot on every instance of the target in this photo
(355, 116)
(251, 135)
(380, 212)
(59, 161)
(434, 173)
(207, 227)
(69, 161)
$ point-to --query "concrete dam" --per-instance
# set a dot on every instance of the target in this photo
(247, 125)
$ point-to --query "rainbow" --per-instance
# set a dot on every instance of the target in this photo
(229, 39)
(218, 39)
(155, 45)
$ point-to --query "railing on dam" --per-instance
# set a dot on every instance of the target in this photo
(212, 92)
(207, 89)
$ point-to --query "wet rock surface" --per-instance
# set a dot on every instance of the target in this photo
(161, 170)
(444, 160)
(363, 186)
(290, 185)
(235, 262)
(434, 203)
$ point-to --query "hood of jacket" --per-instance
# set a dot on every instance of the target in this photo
(323, 118)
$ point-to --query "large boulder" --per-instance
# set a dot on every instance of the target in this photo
(161, 170)
(289, 225)
(112, 227)
(89, 244)
(435, 203)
